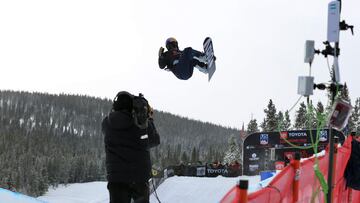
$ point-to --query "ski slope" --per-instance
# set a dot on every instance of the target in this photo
(174, 189)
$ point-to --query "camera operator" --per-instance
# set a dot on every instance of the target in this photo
(127, 147)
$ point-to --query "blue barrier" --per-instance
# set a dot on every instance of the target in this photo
(266, 174)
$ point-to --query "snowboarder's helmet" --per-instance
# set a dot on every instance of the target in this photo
(171, 43)
(123, 101)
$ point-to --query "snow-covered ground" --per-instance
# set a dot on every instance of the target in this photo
(199, 189)
(174, 189)
(7, 196)
(93, 192)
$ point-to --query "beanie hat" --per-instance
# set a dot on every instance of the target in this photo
(123, 101)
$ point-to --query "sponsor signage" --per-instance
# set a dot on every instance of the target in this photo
(264, 139)
(253, 167)
(293, 136)
(297, 134)
(323, 136)
(254, 157)
(217, 171)
(201, 171)
(262, 150)
(284, 135)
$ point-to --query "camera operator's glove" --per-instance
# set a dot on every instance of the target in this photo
(161, 51)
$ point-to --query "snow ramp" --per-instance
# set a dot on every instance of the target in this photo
(280, 190)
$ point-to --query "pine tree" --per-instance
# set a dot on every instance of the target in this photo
(287, 121)
(184, 157)
(263, 125)
(194, 155)
(218, 155)
(168, 159)
(300, 119)
(280, 121)
(319, 108)
(270, 117)
(233, 152)
(177, 154)
(355, 118)
(252, 127)
(210, 155)
(311, 120)
(320, 114)
(344, 94)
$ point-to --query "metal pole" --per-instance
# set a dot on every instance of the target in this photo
(331, 136)
(331, 142)
(331, 165)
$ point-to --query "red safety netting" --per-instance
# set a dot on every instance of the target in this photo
(280, 189)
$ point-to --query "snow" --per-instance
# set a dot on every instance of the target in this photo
(92, 192)
(175, 189)
(14, 197)
(199, 189)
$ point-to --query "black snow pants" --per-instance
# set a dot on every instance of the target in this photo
(124, 192)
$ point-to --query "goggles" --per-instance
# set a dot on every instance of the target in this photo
(172, 45)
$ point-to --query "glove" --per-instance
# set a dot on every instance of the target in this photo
(161, 51)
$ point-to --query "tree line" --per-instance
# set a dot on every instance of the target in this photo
(307, 116)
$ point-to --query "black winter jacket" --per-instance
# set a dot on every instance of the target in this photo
(127, 148)
(167, 59)
(352, 171)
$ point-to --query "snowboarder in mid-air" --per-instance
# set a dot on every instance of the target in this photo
(181, 63)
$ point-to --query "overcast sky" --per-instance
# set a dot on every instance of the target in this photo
(98, 48)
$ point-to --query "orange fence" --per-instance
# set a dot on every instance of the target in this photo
(280, 189)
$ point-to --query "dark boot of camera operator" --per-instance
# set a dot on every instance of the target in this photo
(127, 144)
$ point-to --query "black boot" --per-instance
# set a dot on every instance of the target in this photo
(200, 63)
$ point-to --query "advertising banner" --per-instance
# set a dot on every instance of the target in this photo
(262, 150)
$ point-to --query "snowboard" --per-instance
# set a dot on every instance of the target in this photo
(209, 56)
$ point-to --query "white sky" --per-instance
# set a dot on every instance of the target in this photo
(98, 48)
